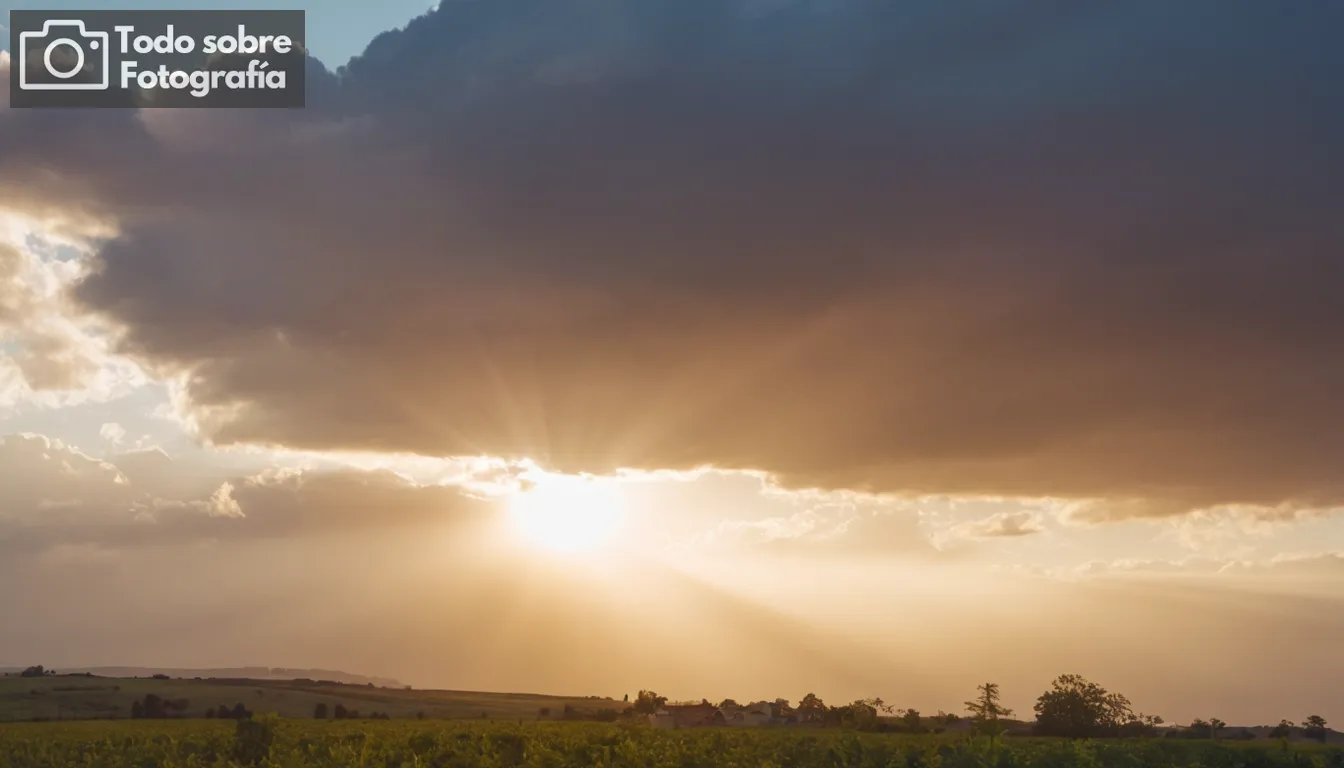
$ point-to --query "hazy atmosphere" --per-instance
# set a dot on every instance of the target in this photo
(727, 348)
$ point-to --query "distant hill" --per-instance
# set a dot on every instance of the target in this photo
(251, 673)
(73, 696)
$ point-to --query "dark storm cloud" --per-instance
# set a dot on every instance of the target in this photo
(1022, 248)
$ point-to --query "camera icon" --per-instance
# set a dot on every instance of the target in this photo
(73, 58)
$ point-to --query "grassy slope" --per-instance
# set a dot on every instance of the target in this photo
(75, 697)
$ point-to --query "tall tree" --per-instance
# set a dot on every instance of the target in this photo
(1314, 728)
(986, 707)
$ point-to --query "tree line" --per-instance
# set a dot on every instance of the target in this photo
(1073, 707)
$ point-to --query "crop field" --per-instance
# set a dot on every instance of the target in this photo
(76, 697)
(271, 741)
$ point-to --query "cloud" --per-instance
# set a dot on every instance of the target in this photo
(842, 531)
(112, 432)
(53, 496)
(48, 354)
(1085, 260)
(1297, 572)
(1003, 525)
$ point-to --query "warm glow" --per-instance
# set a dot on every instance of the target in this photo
(566, 514)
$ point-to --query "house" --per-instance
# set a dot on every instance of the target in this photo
(687, 716)
(755, 714)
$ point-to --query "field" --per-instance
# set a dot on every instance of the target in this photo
(76, 697)
(269, 741)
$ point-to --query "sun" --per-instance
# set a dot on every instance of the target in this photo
(567, 514)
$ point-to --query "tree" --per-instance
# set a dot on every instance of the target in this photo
(1215, 725)
(210, 714)
(728, 704)
(878, 704)
(812, 708)
(1199, 728)
(911, 720)
(36, 671)
(154, 707)
(860, 714)
(648, 702)
(1077, 708)
(340, 713)
(320, 711)
(986, 711)
(1284, 730)
(137, 710)
(986, 706)
(1314, 728)
(1140, 725)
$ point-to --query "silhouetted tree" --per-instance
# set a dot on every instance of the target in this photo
(911, 720)
(320, 711)
(862, 714)
(35, 671)
(812, 709)
(878, 704)
(648, 702)
(1140, 725)
(1314, 728)
(137, 710)
(1078, 708)
(1284, 730)
(1215, 725)
(728, 704)
(240, 712)
(986, 711)
(210, 714)
(340, 712)
(154, 708)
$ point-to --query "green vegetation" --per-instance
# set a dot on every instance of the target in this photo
(163, 722)
(270, 741)
(77, 697)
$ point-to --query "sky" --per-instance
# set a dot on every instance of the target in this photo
(740, 348)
